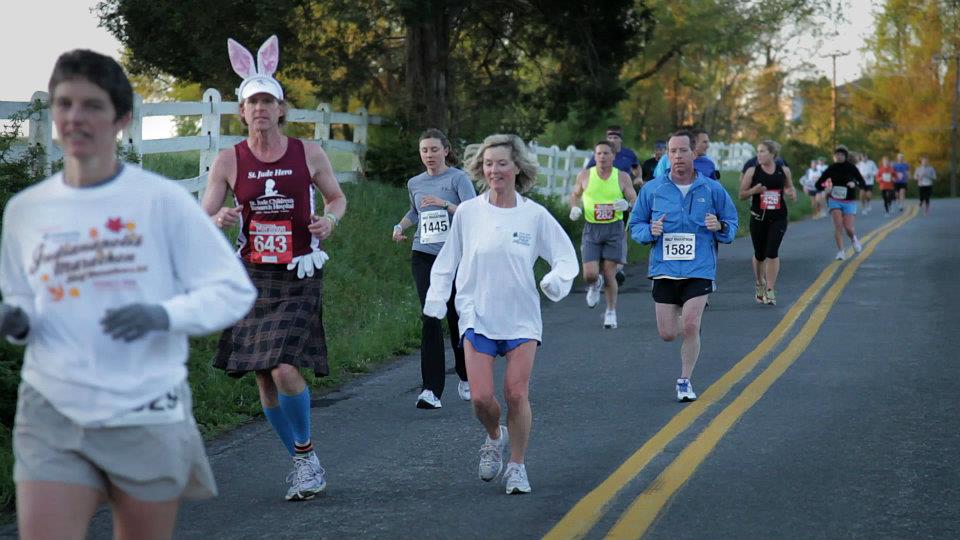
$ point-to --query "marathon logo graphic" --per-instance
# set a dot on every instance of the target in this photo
(268, 228)
(522, 238)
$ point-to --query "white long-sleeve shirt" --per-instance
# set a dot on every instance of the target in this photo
(492, 251)
(68, 254)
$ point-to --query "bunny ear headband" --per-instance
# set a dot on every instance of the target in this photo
(256, 79)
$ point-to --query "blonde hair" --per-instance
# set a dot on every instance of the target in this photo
(525, 161)
(772, 146)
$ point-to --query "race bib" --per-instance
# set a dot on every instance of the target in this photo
(679, 246)
(887, 177)
(603, 212)
(272, 242)
(839, 192)
(770, 199)
(166, 409)
(434, 226)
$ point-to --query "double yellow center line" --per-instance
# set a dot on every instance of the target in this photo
(645, 508)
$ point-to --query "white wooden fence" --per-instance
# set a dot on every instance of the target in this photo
(210, 140)
(559, 168)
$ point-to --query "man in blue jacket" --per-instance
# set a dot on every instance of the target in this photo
(682, 214)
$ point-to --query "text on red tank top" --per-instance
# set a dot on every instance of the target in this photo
(277, 202)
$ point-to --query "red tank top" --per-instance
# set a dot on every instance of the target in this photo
(277, 200)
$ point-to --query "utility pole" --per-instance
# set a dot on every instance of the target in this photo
(833, 93)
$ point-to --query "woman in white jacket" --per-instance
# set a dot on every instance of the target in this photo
(494, 241)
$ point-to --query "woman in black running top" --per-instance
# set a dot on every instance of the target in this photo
(767, 183)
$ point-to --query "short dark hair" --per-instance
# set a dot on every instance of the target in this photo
(434, 133)
(696, 134)
(100, 70)
(685, 133)
(603, 142)
(615, 129)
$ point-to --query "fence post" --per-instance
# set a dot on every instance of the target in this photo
(133, 135)
(40, 129)
(321, 131)
(209, 126)
(360, 137)
(553, 163)
(568, 169)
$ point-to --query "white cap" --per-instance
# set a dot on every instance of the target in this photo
(260, 84)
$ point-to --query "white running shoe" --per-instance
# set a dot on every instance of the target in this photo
(463, 388)
(491, 455)
(685, 391)
(841, 255)
(610, 319)
(427, 400)
(593, 292)
(857, 246)
(516, 479)
(307, 478)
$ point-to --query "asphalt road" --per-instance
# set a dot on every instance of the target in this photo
(848, 426)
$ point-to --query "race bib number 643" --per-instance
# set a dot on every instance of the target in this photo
(272, 242)
(679, 246)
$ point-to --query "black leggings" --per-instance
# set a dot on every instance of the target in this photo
(888, 197)
(767, 235)
(925, 192)
(433, 363)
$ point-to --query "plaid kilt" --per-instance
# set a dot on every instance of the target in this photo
(285, 325)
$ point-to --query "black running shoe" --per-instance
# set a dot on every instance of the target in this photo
(621, 277)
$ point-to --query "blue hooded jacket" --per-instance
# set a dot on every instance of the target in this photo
(684, 215)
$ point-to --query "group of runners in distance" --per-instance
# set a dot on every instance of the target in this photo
(106, 269)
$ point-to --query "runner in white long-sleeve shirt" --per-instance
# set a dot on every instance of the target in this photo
(105, 270)
(494, 241)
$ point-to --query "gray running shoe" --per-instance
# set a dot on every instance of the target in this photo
(516, 479)
(307, 478)
(428, 400)
(491, 455)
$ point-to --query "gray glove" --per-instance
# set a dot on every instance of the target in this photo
(13, 321)
(133, 321)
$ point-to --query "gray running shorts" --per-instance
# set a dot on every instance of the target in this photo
(603, 241)
(151, 463)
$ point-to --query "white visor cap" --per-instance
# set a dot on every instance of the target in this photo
(257, 85)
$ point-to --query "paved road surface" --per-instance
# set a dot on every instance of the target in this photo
(847, 427)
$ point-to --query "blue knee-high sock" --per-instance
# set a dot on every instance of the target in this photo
(281, 425)
(297, 410)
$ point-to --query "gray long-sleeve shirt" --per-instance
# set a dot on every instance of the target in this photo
(451, 185)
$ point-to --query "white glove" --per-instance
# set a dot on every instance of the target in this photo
(435, 308)
(621, 205)
(575, 213)
(553, 286)
(306, 264)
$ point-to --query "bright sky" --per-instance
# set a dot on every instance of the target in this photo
(29, 49)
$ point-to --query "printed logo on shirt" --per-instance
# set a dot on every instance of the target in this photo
(522, 238)
(272, 201)
(67, 258)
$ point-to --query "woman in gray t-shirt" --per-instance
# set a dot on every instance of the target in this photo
(434, 197)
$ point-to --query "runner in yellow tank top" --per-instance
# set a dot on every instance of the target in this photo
(605, 193)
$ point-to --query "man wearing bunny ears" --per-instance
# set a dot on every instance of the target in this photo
(682, 214)
(273, 179)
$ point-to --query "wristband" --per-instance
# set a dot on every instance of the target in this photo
(332, 218)
(397, 228)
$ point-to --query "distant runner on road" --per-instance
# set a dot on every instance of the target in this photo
(682, 215)
(841, 180)
(766, 185)
(604, 193)
(493, 244)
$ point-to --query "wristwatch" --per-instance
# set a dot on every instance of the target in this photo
(723, 226)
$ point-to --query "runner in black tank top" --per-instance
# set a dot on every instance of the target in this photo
(766, 184)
